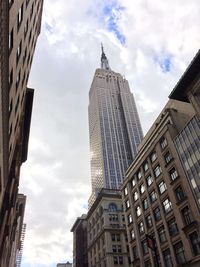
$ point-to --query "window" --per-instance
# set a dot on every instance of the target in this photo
(167, 258)
(187, 216)
(142, 188)
(145, 204)
(163, 142)
(157, 171)
(147, 263)
(162, 187)
(127, 204)
(149, 180)
(141, 227)
(180, 195)
(18, 79)
(113, 217)
(112, 207)
(125, 191)
(153, 196)
(19, 51)
(133, 182)
(116, 248)
(130, 218)
(153, 156)
(115, 237)
(146, 166)
(172, 226)
(138, 211)
(10, 3)
(118, 260)
(173, 174)
(132, 233)
(144, 246)
(148, 221)
(156, 213)
(20, 16)
(135, 195)
(135, 253)
(179, 252)
(11, 40)
(195, 243)
(11, 78)
(168, 157)
(139, 175)
(161, 233)
(167, 205)
(26, 29)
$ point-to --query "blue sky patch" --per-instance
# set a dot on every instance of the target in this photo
(111, 15)
(164, 62)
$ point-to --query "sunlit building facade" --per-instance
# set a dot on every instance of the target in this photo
(114, 128)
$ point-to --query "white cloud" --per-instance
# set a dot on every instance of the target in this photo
(56, 177)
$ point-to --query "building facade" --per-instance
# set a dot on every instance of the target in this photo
(106, 232)
(114, 128)
(20, 26)
(188, 141)
(162, 216)
(79, 229)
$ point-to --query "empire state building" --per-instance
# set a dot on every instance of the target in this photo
(114, 128)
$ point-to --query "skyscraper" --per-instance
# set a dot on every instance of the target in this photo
(114, 128)
(20, 26)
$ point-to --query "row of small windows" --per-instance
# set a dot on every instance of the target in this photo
(149, 180)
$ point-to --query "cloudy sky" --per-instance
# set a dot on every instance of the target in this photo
(150, 42)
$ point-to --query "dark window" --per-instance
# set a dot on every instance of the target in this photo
(145, 204)
(161, 233)
(162, 187)
(172, 226)
(180, 195)
(112, 207)
(11, 78)
(195, 243)
(144, 247)
(167, 258)
(187, 216)
(167, 205)
(163, 142)
(147, 263)
(156, 213)
(135, 253)
(179, 253)
(25, 29)
(173, 174)
(153, 196)
(148, 221)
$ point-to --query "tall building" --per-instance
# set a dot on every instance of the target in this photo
(162, 216)
(20, 26)
(114, 128)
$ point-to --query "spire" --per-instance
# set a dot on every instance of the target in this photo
(104, 60)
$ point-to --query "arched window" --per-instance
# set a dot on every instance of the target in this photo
(112, 207)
